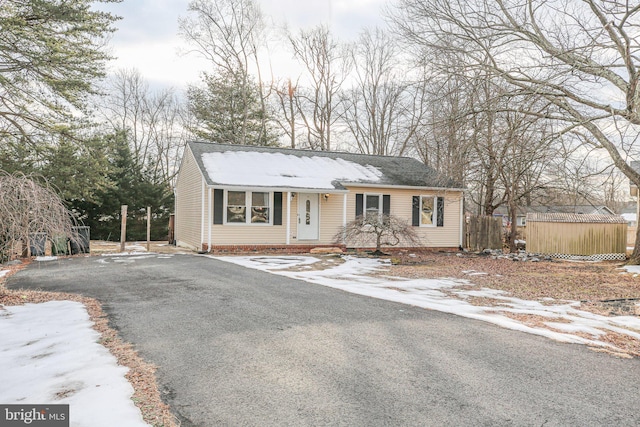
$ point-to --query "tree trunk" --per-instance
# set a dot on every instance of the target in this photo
(635, 256)
(513, 213)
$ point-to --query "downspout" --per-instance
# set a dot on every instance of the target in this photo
(202, 217)
(344, 219)
(210, 221)
(462, 220)
(288, 237)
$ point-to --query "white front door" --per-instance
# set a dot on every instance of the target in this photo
(308, 220)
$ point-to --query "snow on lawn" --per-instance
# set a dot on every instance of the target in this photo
(563, 320)
(49, 355)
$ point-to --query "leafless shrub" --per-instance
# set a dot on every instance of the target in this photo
(28, 207)
(386, 230)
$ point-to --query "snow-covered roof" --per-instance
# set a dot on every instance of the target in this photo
(254, 166)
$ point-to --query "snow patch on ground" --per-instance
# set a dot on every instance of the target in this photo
(50, 355)
(46, 258)
(448, 295)
(634, 269)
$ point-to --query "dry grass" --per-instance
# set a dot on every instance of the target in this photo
(602, 288)
(141, 374)
(591, 283)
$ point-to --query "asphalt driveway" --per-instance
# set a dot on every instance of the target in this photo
(236, 346)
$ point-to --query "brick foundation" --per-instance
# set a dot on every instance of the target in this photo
(282, 249)
(301, 249)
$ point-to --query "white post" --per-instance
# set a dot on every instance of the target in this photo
(148, 228)
(288, 238)
(210, 221)
(344, 218)
(462, 222)
(202, 216)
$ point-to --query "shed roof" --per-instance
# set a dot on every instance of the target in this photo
(569, 209)
(575, 218)
(257, 166)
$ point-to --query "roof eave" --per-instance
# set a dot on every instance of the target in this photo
(401, 187)
(283, 189)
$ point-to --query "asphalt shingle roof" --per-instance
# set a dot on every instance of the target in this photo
(390, 171)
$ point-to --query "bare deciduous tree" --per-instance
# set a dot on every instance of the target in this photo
(581, 56)
(379, 109)
(327, 63)
(229, 34)
(287, 105)
(152, 122)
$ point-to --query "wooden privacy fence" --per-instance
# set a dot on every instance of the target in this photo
(631, 235)
(576, 234)
(483, 232)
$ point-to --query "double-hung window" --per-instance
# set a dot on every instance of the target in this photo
(259, 208)
(428, 209)
(431, 211)
(236, 206)
(248, 207)
(373, 205)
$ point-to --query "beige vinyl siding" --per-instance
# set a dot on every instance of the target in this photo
(241, 234)
(251, 234)
(330, 217)
(188, 203)
(330, 221)
(447, 236)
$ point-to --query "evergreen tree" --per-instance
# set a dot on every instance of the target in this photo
(228, 110)
(51, 53)
(129, 186)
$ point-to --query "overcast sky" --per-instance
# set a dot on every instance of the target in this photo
(147, 37)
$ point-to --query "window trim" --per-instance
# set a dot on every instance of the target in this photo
(380, 197)
(248, 203)
(434, 218)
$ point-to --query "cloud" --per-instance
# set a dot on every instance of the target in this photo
(146, 20)
(147, 38)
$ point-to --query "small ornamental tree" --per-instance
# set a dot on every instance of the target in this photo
(386, 230)
(28, 207)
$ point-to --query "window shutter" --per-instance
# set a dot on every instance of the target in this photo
(386, 204)
(415, 217)
(218, 206)
(277, 208)
(440, 220)
(359, 204)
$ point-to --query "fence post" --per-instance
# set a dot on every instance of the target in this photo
(123, 227)
(148, 228)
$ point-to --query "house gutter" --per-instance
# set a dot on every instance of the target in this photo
(279, 189)
(401, 187)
